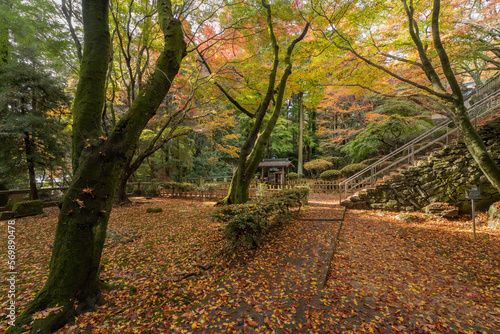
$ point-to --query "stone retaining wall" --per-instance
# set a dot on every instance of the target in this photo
(443, 176)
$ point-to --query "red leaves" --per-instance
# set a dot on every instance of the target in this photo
(252, 323)
(386, 275)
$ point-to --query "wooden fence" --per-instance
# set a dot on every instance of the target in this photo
(216, 191)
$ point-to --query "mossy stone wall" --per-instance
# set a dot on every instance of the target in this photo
(443, 176)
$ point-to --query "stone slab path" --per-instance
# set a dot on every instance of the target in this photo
(385, 276)
(279, 289)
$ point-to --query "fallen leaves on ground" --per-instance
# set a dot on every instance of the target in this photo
(425, 275)
(170, 272)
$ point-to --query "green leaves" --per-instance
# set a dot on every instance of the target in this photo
(33, 101)
(247, 224)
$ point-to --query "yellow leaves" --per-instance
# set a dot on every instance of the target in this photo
(371, 116)
(45, 313)
(195, 326)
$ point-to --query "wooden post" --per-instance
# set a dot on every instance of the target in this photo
(473, 219)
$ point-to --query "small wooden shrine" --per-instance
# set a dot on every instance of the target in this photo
(275, 171)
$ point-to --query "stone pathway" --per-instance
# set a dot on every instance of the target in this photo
(278, 290)
(385, 276)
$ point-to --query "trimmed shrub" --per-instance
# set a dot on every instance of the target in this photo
(330, 175)
(293, 176)
(315, 167)
(28, 208)
(370, 161)
(352, 169)
(246, 224)
(336, 161)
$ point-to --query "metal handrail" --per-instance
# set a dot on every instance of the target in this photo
(476, 106)
(452, 131)
(416, 140)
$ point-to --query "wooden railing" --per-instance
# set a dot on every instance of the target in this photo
(215, 192)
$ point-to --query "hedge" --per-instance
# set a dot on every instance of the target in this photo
(28, 208)
(247, 224)
(179, 187)
(315, 167)
(352, 169)
(330, 175)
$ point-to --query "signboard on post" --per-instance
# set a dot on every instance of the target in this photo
(472, 194)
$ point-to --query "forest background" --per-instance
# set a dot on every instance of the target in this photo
(352, 112)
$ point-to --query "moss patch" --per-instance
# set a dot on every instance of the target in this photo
(28, 208)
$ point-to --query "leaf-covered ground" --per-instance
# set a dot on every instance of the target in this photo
(387, 275)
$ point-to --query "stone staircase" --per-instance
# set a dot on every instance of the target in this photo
(483, 105)
(442, 176)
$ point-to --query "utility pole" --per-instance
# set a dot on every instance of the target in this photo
(301, 136)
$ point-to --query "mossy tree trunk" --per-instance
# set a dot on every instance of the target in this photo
(473, 141)
(254, 146)
(98, 164)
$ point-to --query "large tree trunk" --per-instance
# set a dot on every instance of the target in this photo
(28, 146)
(86, 206)
(475, 145)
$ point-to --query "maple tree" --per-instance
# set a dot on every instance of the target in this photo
(97, 165)
(439, 81)
(261, 128)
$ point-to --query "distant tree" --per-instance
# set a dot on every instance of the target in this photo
(268, 111)
(33, 115)
(392, 123)
(32, 93)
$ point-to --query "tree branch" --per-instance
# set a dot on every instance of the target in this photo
(443, 56)
(226, 94)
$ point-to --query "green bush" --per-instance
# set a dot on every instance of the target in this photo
(246, 224)
(336, 161)
(293, 176)
(330, 175)
(352, 169)
(303, 192)
(179, 186)
(315, 167)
